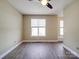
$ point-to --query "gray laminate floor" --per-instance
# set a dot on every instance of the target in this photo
(39, 51)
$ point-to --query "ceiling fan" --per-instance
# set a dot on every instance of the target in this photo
(45, 3)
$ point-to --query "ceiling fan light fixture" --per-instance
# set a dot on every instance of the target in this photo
(44, 2)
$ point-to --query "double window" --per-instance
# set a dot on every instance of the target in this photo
(38, 27)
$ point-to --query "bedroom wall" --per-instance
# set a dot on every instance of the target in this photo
(10, 26)
(51, 27)
(71, 26)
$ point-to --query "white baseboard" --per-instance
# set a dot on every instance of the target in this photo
(4, 54)
(42, 41)
(73, 52)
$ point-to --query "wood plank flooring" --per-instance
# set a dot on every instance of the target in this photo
(39, 51)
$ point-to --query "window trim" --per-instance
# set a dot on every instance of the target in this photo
(59, 28)
(38, 28)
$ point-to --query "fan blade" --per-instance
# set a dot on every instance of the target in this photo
(49, 5)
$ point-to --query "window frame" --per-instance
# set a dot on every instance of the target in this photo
(38, 27)
(60, 36)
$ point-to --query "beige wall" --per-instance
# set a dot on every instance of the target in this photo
(71, 24)
(51, 27)
(10, 26)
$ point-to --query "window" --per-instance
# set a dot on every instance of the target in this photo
(38, 27)
(61, 28)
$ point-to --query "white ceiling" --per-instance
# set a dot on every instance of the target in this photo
(34, 7)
